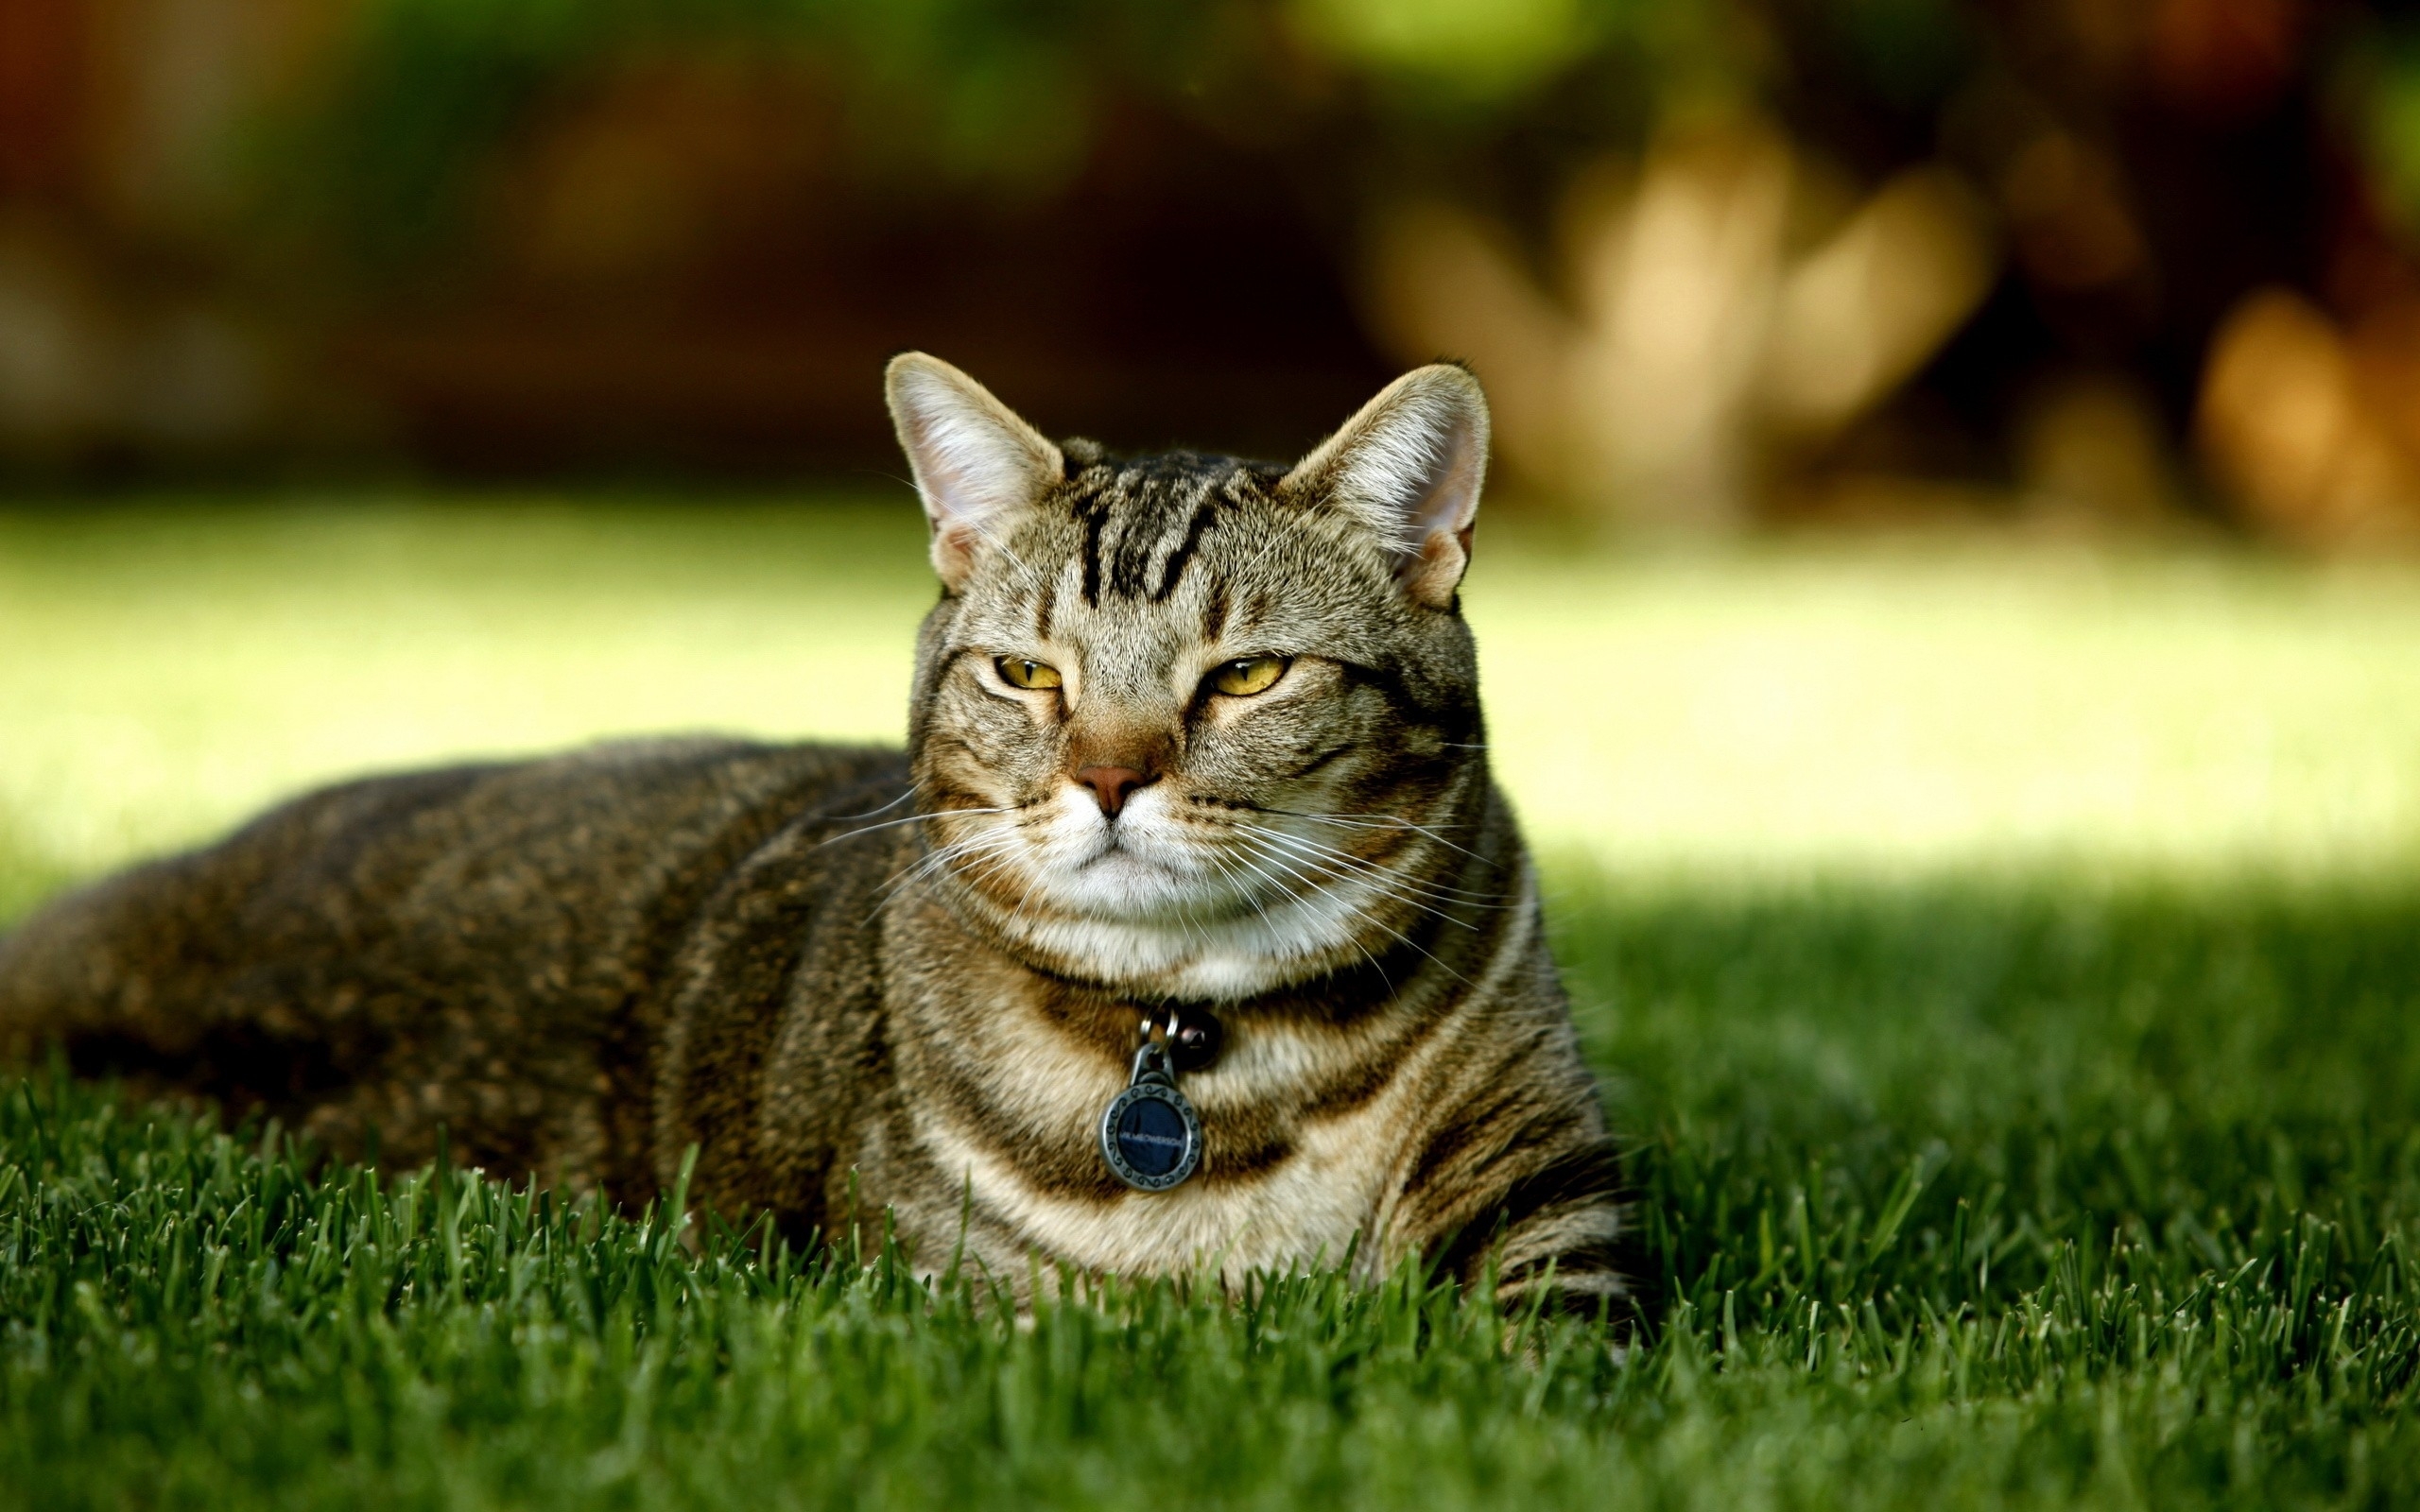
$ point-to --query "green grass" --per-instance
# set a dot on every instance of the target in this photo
(164, 670)
(2053, 1143)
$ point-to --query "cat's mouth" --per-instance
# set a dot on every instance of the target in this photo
(1127, 868)
(1140, 867)
(1171, 895)
(1155, 865)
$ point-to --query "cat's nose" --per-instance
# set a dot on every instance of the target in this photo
(1111, 784)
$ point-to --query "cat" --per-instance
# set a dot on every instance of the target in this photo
(1194, 819)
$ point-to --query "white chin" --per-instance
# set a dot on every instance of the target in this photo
(1126, 886)
(1125, 919)
(1156, 910)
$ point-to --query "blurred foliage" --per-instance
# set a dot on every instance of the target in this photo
(2381, 83)
(1483, 49)
(1910, 52)
(2044, 225)
(384, 154)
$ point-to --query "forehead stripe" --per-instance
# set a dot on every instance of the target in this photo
(1093, 512)
(1138, 533)
(1172, 569)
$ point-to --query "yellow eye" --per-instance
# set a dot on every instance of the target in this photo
(1020, 673)
(1250, 675)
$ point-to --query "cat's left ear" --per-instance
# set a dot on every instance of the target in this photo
(1410, 465)
(978, 465)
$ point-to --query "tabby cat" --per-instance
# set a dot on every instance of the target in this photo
(1194, 747)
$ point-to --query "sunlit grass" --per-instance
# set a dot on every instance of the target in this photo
(1985, 704)
(164, 670)
(169, 670)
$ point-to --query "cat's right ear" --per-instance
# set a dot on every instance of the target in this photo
(977, 464)
(1410, 465)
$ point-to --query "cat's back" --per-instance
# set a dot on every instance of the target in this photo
(471, 931)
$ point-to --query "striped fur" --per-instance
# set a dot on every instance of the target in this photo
(859, 981)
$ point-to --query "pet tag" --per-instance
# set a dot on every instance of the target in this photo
(1150, 1134)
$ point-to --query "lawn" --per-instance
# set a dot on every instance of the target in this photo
(2003, 959)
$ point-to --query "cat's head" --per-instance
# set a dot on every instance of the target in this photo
(1189, 726)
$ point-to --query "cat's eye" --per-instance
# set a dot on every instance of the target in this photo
(1250, 675)
(1018, 672)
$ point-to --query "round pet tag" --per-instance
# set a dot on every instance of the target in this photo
(1150, 1136)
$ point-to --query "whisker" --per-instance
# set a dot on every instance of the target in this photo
(892, 824)
(913, 786)
(1398, 935)
(1381, 821)
(1442, 892)
(979, 843)
(1262, 872)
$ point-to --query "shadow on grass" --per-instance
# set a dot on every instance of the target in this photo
(1931, 1091)
(1935, 1094)
(1959, 1192)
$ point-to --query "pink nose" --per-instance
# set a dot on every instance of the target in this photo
(1111, 784)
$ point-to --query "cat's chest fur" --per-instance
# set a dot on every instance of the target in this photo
(1310, 1122)
(1320, 1204)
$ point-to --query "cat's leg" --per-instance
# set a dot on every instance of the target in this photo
(1557, 1228)
(1514, 1174)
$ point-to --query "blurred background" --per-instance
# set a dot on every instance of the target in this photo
(1931, 434)
(1723, 263)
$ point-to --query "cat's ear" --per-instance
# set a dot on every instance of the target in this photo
(1410, 465)
(977, 464)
